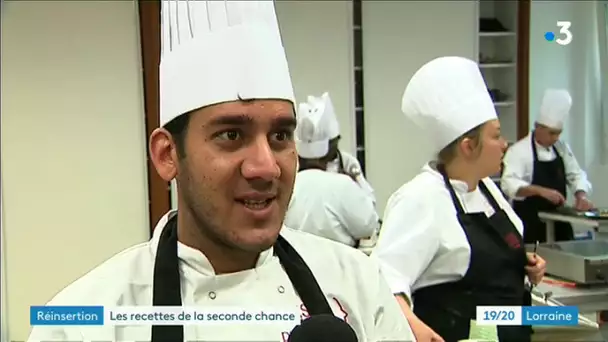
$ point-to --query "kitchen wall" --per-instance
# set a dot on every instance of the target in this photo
(74, 185)
(398, 38)
(575, 67)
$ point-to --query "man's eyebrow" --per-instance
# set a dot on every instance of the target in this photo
(289, 122)
(231, 120)
(241, 120)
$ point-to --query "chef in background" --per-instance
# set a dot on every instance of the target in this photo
(450, 241)
(340, 161)
(227, 122)
(539, 169)
(326, 204)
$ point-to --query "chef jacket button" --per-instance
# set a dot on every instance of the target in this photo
(212, 295)
(281, 289)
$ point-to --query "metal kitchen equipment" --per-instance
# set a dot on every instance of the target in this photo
(582, 261)
(594, 214)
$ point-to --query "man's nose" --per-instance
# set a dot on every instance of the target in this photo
(260, 161)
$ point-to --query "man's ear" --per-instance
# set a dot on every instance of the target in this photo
(163, 154)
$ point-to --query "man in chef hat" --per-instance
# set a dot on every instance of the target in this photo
(539, 169)
(339, 161)
(326, 204)
(450, 241)
(227, 122)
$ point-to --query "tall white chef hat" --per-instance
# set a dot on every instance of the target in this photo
(324, 104)
(448, 97)
(220, 51)
(554, 108)
(312, 138)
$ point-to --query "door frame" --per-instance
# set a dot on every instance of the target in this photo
(159, 191)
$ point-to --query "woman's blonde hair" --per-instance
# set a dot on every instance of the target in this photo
(448, 153)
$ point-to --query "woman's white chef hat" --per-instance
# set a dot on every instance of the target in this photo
(311, 135)
(447, 97)
(220, 51)
(331, 121)
(555, 108)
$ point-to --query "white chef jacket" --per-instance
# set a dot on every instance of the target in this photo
(350, 280)
(333, 206)
(421, 242)
(519, 165)
(350, 162)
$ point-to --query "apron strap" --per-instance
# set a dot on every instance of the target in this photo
(534, 152)
(167, 286)
(446, 181)
(340, 163)
(301, 278)
(484, 189)
(482, 186)
(167, 282)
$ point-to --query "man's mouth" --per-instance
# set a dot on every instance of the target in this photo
(256, 201)
(256, 204)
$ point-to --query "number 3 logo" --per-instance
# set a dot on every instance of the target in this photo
(564, 29)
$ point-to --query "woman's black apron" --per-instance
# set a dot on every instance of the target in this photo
(340, 163)
(548, 174)
(495, 276)
(167, 283)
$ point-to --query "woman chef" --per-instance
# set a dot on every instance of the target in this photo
(450, 241)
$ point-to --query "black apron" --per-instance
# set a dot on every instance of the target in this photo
(495, 277)
(167, 284)
(340, 163)
(548, 174)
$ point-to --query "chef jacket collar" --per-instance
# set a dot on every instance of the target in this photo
(459, 186)
(193, 257)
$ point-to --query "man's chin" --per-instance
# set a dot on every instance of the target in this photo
(258, 241)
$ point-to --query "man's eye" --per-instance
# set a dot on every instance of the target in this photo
(282, 136)
(229, 135)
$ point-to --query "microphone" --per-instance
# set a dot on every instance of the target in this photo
(323, 328)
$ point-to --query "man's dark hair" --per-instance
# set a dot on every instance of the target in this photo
(178, 128)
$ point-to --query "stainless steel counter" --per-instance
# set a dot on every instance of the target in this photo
(598, 227)
(589, 300)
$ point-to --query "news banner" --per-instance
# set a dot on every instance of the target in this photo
(527, 315)
(128, 316)
(157, 315)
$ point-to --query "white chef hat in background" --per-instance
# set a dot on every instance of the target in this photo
(555, 108)
(448, 97)
(325, 104)
(312, 136)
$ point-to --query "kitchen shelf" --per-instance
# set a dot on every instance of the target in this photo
(497, 58)
(504, 103)
(498, 34)
(497, 65)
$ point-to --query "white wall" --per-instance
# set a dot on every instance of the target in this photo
(318, 42)
(73, 144)
(575, 67)
(398, 38)
(3, 309)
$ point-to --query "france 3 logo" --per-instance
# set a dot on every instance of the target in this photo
(565, 35)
